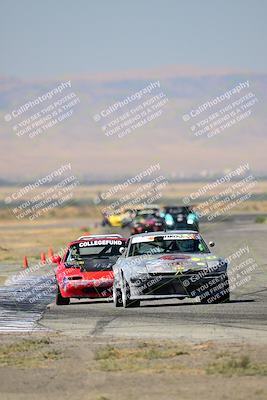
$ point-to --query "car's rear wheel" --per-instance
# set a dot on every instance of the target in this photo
(117, 297)
(60, 300)
(220, 296)
(126, 301)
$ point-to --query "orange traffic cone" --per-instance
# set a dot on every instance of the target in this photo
(25, 262)
(43, 258)
(50, 253)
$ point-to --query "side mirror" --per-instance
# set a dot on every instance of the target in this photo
(211, 244)
(56, 259)
(121, 250)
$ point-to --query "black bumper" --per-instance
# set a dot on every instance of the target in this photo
(181, 285)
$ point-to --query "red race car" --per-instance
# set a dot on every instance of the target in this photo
(85, 271)
(147, 221)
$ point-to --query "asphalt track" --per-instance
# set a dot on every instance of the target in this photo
(23, 302)
(243, 319)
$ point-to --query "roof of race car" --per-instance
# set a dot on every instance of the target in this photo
(86, 237)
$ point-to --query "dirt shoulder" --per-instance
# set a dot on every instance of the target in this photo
(57, 366)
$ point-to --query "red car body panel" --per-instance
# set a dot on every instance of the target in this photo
(74, 283)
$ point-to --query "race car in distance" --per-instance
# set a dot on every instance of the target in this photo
(86, 267)
(125, 217)
(180, 217)
(119, 220)
(169, 264)
(147, 221)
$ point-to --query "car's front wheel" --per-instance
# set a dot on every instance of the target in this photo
(126, 301)
(60, 300)
(117, 297)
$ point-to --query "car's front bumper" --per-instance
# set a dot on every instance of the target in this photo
(181, 285)
(87, 288)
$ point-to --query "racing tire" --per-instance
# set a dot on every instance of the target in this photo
(117, 297)
(60, 300)
(222, 296)
(126, 301)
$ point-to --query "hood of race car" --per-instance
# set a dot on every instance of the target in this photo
(180, 263)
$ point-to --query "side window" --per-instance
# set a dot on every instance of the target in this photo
(72, 254)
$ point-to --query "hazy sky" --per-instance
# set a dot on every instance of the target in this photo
(52, 38)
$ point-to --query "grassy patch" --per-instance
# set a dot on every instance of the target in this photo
(28, 353)
(142, 357)
(260, 219)
(229, 365)
(33, 241)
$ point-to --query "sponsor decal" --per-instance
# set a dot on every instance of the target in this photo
(179, 269)
(170, 257)
(182, 236)
(143, 239)
(100, 243)
(177, 236)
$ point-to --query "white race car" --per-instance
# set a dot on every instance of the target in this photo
(160, 265)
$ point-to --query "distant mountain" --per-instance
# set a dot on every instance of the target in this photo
(166, 139)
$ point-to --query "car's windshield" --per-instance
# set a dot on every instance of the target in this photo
(160, 245)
